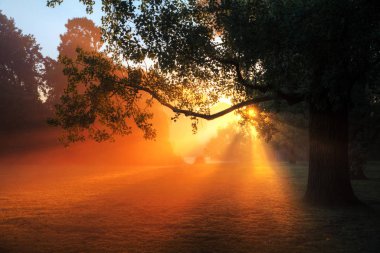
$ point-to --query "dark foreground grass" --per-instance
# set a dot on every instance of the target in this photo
(202, 208)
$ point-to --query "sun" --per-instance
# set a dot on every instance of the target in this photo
(251, 112)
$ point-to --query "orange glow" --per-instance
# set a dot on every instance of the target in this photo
(185, 143)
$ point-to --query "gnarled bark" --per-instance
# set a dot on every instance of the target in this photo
(329, 179)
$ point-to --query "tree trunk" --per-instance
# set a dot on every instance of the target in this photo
(329, 179)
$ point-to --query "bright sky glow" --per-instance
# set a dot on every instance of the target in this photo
(185, 143)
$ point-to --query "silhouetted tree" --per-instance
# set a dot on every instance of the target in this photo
(22, 79)
(252, 51)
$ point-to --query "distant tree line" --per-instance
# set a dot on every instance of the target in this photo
(31, 84)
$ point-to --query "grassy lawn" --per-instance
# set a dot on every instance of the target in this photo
(198, 208)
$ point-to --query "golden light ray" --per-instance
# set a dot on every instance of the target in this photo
(266, 181)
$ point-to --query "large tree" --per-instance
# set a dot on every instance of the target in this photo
(254, 52)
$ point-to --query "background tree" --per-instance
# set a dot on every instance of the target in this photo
(80, 33)
(364, 130)
(232, 143)
(251, 51)
(22, 80)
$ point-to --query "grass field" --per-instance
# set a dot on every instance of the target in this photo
(187, 208)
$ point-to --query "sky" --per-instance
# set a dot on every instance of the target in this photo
(46, 24)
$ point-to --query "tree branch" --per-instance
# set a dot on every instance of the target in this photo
(291, 98)
(189, 113)
(240, 78)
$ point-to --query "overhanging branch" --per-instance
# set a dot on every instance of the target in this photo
(223, 112)
(189, 113)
